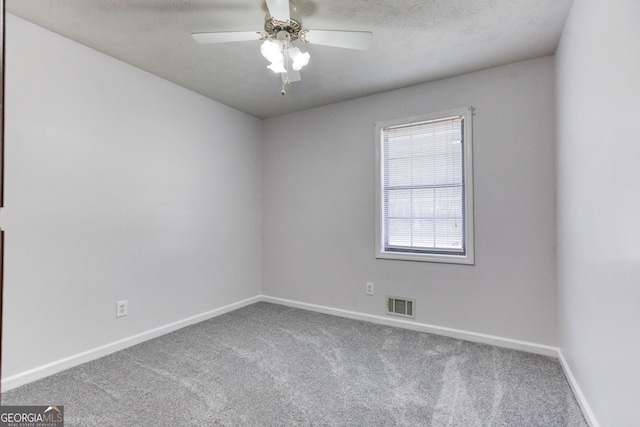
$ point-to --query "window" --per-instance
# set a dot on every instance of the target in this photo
(424, 203)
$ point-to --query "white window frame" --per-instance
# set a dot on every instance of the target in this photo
(468, 256)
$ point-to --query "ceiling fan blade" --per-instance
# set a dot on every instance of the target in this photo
(279, 9)
(294, 75)
(358, 40)
(226, 36)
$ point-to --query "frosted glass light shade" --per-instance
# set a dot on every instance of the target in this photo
(272, 50)
(300, 59)
(277, 67)
(278, 53)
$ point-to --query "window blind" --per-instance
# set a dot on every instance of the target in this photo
(423, 186)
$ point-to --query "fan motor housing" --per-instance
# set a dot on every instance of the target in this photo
(272, 27)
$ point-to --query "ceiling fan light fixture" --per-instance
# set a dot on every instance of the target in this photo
(277, 67)
(281, 30)
(272, 50)
(278, 52)
(299, 58)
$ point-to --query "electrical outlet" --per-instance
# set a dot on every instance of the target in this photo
(369, 288)
(122, 308)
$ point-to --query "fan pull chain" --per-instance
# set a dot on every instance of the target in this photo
(286, 82)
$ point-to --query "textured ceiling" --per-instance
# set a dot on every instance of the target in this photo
(414, 41)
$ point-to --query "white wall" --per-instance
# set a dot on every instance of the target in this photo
(598, 106)
(318, 207)
(119, 185)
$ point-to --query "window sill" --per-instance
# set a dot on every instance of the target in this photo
(439, 258)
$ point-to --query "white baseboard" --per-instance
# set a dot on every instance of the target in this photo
(95, 353)
(577, 392)
(422, 327)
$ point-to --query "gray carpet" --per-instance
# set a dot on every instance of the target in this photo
(270, 365)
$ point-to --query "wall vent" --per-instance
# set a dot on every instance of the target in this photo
(404, 307)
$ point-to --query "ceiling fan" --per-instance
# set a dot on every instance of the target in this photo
(280, 31)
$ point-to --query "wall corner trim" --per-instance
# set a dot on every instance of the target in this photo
(577, 392)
